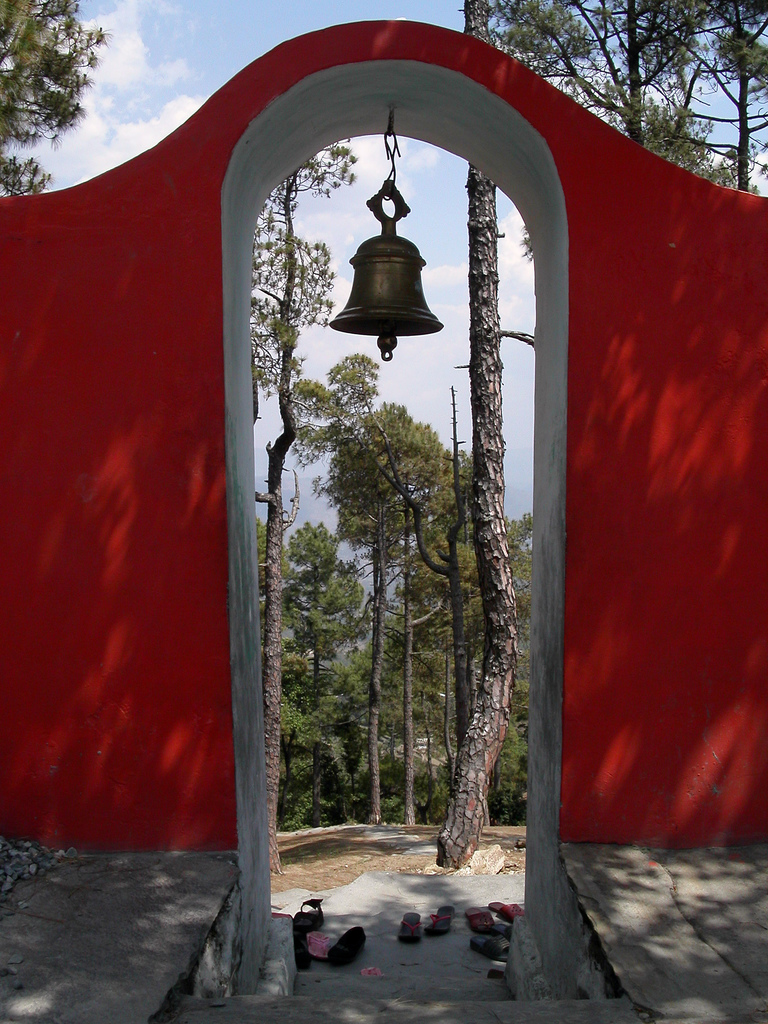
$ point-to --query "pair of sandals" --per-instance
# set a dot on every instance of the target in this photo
(410, 926)
(494, 942)
(309, 944)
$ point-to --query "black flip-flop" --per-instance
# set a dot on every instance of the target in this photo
(495, 947)
(301, 951)
(348, 946)
(410, 928)
(441, 921)
(308, 920)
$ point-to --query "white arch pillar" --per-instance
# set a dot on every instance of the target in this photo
(448, 110)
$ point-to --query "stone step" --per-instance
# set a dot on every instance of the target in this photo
(295, 1009)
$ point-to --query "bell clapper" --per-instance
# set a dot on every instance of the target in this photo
(387, 343)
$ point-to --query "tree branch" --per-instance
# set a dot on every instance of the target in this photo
(289, 518)
(394, 480)
(518, 336)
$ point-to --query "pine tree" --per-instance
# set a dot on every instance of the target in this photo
(467, 809)
(46, 56)
(645, 65)
(323, 602)
(733, 57)
(292, 281)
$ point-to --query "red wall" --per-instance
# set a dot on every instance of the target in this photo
(114, 650)
(666, 665)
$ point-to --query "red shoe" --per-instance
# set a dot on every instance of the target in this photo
(479, 920)
(507, 910)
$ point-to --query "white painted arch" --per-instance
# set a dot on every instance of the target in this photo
(446, 109)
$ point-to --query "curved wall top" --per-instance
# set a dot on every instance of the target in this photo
(113, 459)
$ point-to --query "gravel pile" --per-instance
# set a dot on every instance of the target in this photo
(22, 858)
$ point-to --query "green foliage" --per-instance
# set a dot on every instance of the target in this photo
(322, 608)
(322, 596)
(734, 60)
(46, 55)
(348, 428)
(507, 805)
(632, 63)
(292, 276)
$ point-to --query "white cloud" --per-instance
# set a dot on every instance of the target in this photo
(131, 105)
(105, 140)
(446, 276)
(516, 298)
(126, 60)
(130, 138)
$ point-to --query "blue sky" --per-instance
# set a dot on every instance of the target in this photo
(164, 59)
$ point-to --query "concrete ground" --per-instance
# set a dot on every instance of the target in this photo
(101, 939)
(686, 931)
(441, 967)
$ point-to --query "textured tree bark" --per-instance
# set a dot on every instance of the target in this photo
(272, 652)
(409, 812)
(463, 706)
(288, 758)
(467, 809)
(316, 781)
(377, 661)
(449, 755)
(317, 773)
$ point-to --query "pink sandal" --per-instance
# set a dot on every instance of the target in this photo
(318, 945)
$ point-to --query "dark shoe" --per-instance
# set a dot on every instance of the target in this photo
(301, 951)
(441, 921)
(308, 920)
(410, 928)
(348, 946)
(495, 947)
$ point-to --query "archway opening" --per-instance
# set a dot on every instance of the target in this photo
(450, 111)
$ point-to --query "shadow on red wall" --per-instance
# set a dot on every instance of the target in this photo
(666, 692)
(113, 536)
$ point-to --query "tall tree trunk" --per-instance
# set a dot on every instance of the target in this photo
(467, 809)
(272, 650)
(272, 653)
(463, 703)
(288, 758)
(430, 773)
(316, 747)
(377, 662)
(634, 116)
(742, 150)
(449, 755)
(409, 813)
(447, 566)
(316, 782)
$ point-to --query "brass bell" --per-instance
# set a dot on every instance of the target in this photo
(387, 298)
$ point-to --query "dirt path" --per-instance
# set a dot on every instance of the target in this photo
(319, 859)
